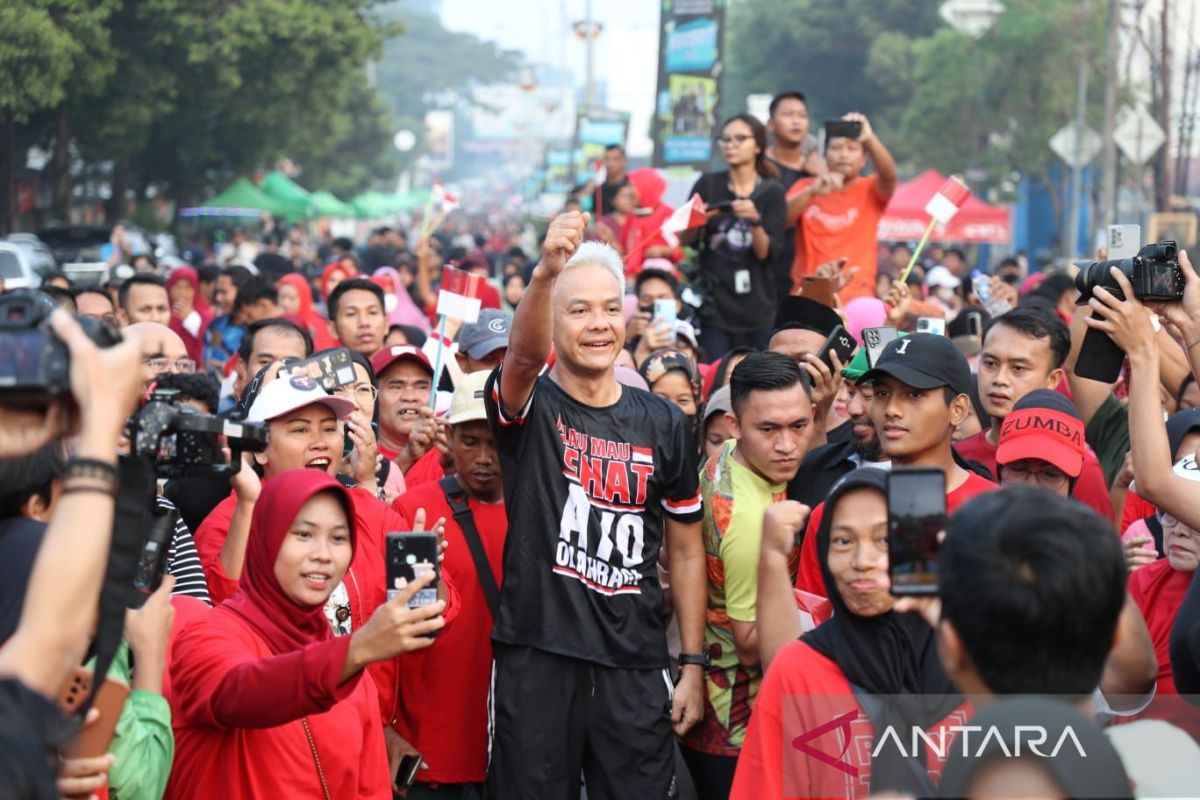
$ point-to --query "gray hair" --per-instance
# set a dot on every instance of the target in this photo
(603, 255)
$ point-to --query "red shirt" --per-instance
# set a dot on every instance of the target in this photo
(426, 468)
(1136, 508)
(809, 578)
(237, 711)
(802, 691)
(1091, 489)
(444, 689)
(840, 224)
(1158, 591)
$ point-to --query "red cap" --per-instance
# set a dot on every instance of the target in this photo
(1045, 434)
(390, 355)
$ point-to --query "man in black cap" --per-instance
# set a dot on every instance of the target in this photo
(801, 328)
(920, 391)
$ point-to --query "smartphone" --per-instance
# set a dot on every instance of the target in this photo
(93, 740)
(974, 324)
(916, 500)
(875, 339)
(408, 556)
(330, 369)
(406, 773)
(841, 342)
(1124, 241)
(842, 128)
(931, 325)
(820, 289)
(665, 310)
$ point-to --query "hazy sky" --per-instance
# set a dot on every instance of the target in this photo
(626, 54)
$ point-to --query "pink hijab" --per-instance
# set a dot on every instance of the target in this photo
(405, 311)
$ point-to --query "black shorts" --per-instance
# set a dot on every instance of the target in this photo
(555, 718)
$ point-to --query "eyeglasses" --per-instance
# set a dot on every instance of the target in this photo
(362, 393)
(736, 139)
(1046, 477)
(160, 365)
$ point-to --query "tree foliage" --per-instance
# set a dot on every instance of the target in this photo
(936, 97)
(183, 95)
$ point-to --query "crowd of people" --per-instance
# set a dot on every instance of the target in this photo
(660, 500)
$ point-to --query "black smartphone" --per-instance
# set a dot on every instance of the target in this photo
(406, 773)
(875, 339)
(974, 324)
(842, 128)
(841, 342)
(916, 501)
(408, 556)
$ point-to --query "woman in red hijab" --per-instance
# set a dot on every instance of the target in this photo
(190, 312)
(335, 273)
(643, 237)
(267, 701)
(296, 301)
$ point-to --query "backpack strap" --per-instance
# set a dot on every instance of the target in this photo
(457, 498)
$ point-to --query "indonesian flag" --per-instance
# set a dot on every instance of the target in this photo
(691, 214)
(443, 200)
(600, 176)
(948, 199)
(459, 296)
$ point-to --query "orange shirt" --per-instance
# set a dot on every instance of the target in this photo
(841, 224)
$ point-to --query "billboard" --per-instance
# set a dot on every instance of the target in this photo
(595, 129)
(690, 54)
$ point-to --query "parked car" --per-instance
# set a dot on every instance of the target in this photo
(39, 254)
(78, 249)
(16, 268)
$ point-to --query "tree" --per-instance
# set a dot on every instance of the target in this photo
(47, 46)
(429, 59)
(845, 55)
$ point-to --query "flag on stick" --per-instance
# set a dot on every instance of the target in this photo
(947, 200)
(691, 214)
(459, 296)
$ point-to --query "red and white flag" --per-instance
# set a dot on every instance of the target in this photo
(948, 199)
(691, 214)
(442, 199)
(460, 293)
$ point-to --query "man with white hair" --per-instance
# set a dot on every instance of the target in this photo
(595, 474)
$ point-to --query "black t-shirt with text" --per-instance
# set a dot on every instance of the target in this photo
(743, 293)
(587, 490)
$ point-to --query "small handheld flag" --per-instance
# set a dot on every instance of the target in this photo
(459, 296)
(941, 208)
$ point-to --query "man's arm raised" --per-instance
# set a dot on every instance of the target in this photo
(533, 322)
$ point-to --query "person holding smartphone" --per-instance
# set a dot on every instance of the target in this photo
(920, 391)
(865, 648)
(267, 700)
(744, 229)
(837, 213)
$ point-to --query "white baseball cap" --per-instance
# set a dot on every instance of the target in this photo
(941, 276)
(286, 394)
(467, 404)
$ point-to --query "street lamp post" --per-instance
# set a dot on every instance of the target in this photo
(589, 31)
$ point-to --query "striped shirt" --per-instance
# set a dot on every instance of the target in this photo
(183, 561)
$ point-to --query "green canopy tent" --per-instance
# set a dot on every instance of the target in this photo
(292, 196)
(326, 204)
(240, 199)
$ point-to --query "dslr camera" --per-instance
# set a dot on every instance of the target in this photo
(36, 363)
(1154, 273)
(184, 441)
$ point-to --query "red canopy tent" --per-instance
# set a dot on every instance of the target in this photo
(975, 223)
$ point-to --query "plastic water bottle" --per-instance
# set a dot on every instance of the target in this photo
(982, 284)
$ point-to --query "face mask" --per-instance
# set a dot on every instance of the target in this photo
(944, 293)
(390, 302)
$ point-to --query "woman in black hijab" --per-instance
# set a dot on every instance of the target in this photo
(866, 668)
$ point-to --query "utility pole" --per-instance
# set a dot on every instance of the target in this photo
(1112, 53)
(1187, 116)
(1162, 166)
(1072, 242)
(591, 66)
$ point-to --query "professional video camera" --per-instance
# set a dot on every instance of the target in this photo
(183, 441)
(1154, 273)
(36, 363)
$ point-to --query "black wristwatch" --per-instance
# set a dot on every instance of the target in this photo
(699, 659)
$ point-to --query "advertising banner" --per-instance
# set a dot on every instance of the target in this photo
(690, 56)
